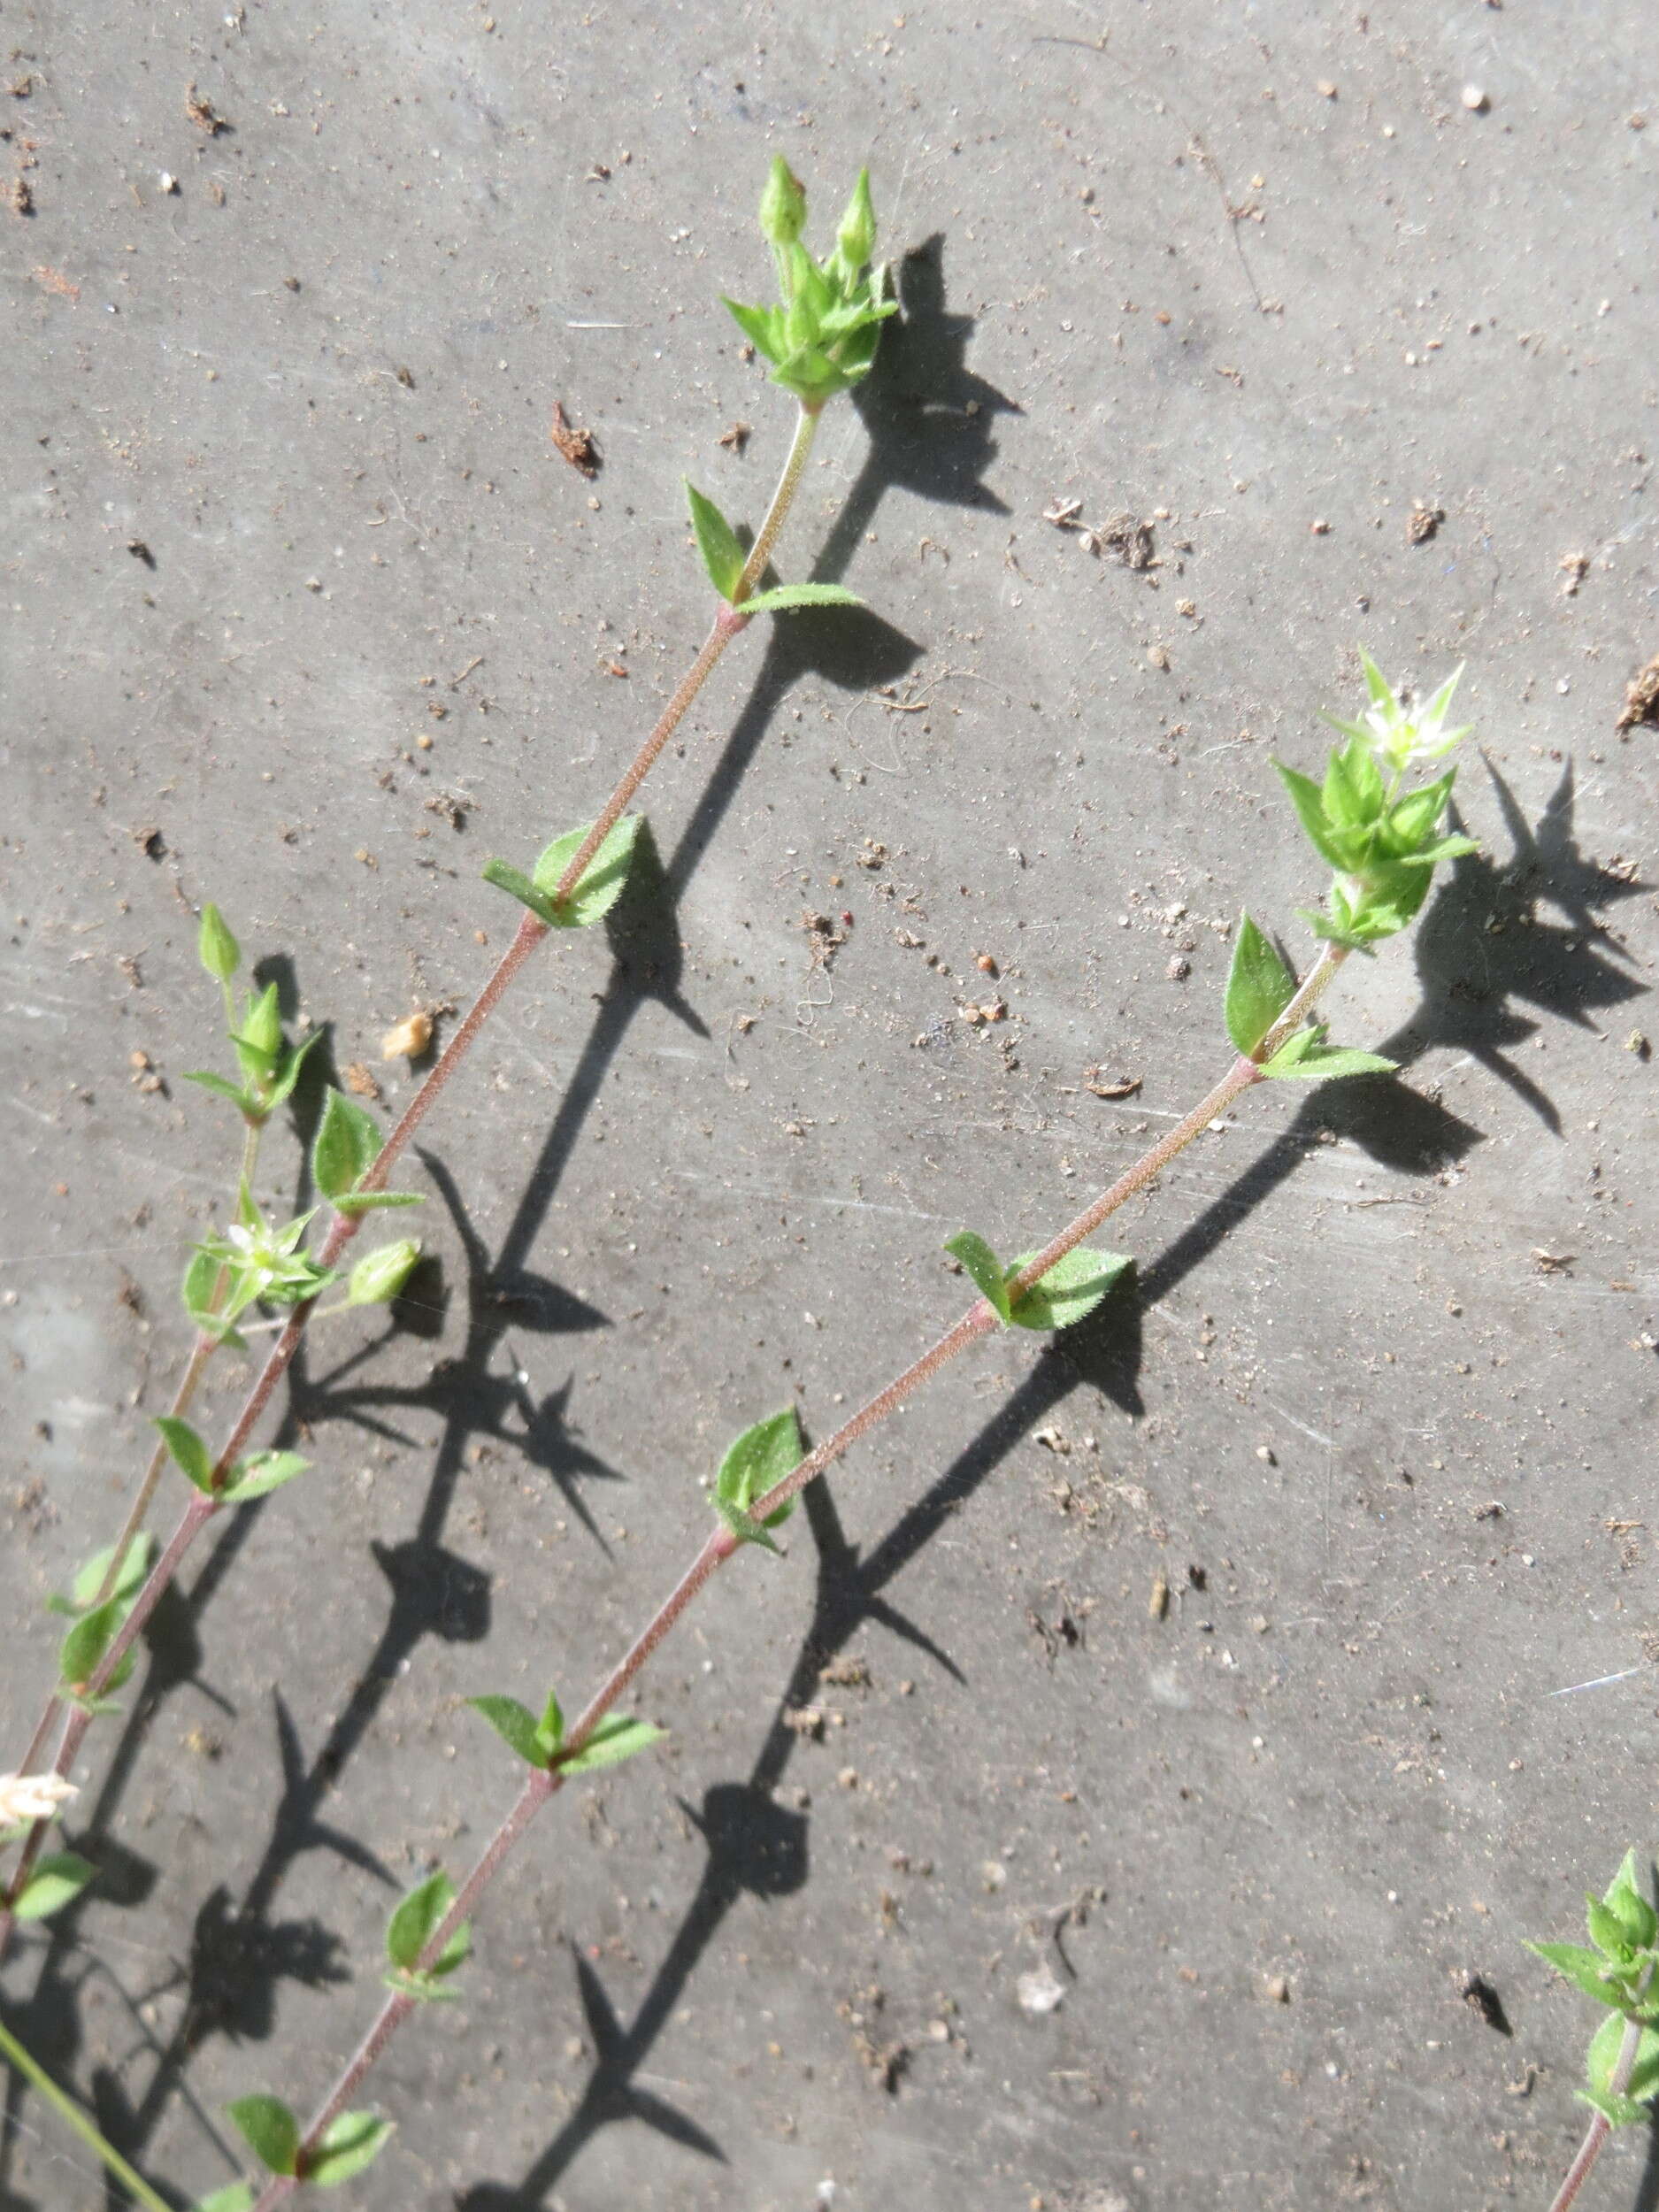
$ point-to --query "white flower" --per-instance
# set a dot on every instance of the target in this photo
(32, 1797)
(1400, 736)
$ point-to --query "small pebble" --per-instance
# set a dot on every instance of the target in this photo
(1475, 100)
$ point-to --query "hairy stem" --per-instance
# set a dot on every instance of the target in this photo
(1598, 2131)
(728, 623)
(981, 1318)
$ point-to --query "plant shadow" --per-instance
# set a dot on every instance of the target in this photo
(239, 1953)
(1481, 945)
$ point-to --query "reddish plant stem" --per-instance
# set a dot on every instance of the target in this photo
(729, 622)
(539, 1786)
(719, 1546)
(1598, 2131)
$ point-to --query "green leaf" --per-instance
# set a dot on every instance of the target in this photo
(603, 880)
(1260, 987)
(615, 1738)
(1619, 2112)
(270, 2131)
(82, 1649)
(372, 1202)
(982, 1263)
(1073, 1285)
(787, 595)
(217, 950)
(1304, 796)
(517, 885)
(758, 324)
(238, 2197)
(293, 1060)
(1306, 1055)
(348, 1143)
(517, 1726)
(57, 1881)
(1602, 2056)
(190, 1453)
(221, 1087)
(89, 1580)
(754, 1462)
(1582, 1968)
(348, 2143)
(717, 541)
(260, 1473)
(417, 1920)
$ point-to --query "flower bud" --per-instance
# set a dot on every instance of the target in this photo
(262, 1024)
(379, 1276)
(217, 949)
(782, 205)
(856, 240)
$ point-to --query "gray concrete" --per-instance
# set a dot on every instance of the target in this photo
(1241, 270)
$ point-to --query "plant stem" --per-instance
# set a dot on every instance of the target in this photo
(981, 1318)
(1598, 2131)
(728, 621)
(70, 2113)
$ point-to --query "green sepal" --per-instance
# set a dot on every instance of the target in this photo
(1352, 797)
(236, 2196)
(260, 1039)
(787, 595)
(1260, 987)
(270, 2131)
(534, 1741)
(990, 1275)
(380, 1275)
(1584, 1969)
(1606, 1927)
(414, 1922)
(717, 541)
(189, 1454)
(1623, 1899)
(1307, 1055)
(57, 1881)
(1072, 1286)
(215, 947)
(754, 1462)
(89, 1579)
(347, 2146)
(613, 1739)
(346, 1147)
(260, 1473)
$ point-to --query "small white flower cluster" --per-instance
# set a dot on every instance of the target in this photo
(32, 1797)
(1401, 737)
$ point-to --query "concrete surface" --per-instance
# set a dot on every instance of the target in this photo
(1238, 270)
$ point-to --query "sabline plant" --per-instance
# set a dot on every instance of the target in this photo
(1380, 829)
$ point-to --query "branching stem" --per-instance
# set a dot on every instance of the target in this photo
(729, 622)
(720, 1544)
